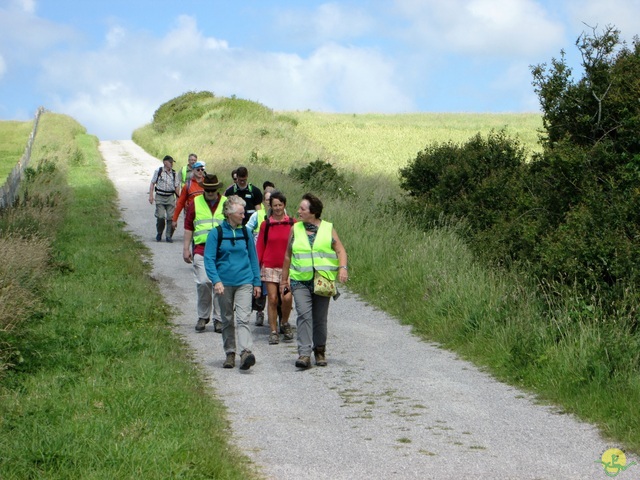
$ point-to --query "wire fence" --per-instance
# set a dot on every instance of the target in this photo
(9, 191)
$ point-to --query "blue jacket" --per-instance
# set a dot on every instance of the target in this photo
(237, 262)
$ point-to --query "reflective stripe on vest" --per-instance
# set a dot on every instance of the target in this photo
(304, 259)
(204, 220)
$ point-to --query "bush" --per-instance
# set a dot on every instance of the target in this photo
(322, 176)
(477, 181)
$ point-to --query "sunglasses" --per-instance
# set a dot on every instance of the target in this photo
(199, 169)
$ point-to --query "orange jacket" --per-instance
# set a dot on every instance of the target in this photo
(190, 190)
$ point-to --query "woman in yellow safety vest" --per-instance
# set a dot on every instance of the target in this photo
(313, 246)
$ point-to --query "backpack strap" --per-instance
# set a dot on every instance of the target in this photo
(220, 235)
(268, 223)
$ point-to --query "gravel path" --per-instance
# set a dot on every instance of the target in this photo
(387, 406)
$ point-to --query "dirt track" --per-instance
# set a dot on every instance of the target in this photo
(387, 406)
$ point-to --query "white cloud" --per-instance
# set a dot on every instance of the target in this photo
(329, 22)
(116, 89)
(185, 38)
(27, 6)
(332, 78)
(112, 114)
(489, 28)
(115, 36)
(24, 37)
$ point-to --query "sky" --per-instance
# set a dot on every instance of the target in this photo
(111, 63)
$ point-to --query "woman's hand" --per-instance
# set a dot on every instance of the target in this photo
(218, 288)
(343, 275)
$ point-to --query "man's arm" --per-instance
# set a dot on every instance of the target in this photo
(152, 186)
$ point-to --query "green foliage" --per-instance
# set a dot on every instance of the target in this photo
(571, 214)
(476, 180)
(603, 104)
(323, 177)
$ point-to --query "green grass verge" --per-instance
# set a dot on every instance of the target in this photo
(103, 388)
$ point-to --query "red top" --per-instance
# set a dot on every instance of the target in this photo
(271, 255)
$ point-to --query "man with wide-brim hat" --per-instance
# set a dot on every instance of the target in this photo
(203, 214)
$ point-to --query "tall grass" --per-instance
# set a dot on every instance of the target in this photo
(99, 386)
(430, 280)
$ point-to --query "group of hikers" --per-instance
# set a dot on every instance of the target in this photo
(248, 254)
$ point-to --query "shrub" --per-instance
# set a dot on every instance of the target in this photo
(322, 176)
(476, 181)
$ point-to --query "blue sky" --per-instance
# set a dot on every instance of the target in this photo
(111, 63)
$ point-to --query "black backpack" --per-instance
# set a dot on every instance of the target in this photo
(233, 239)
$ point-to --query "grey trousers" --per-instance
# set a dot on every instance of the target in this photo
(207, 301)
(311, 324)
(236, 300)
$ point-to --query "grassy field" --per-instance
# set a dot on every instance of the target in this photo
(429, 280)
(95, 332)
(13, 140)
(375, 144)
(93, 383)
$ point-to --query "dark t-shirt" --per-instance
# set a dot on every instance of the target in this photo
(252, 195)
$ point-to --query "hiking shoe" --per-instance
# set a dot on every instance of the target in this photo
(274, 338)
(158, 237)
(247, 360)
(230, 362)
(169, 240)
(217, 326)
(285, 328)
(201, 323)
(259, 319)
(303, 362)
(318, 352)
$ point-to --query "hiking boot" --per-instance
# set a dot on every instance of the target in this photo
(274, 338)
(285, 328)
(169, 240)
(158, 237)
(230, 362)
(217, 326)
(247, 360)
(303, 362)
(201, 324)
(318, 352)
(259, 319)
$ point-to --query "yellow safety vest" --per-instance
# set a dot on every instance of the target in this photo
(204, 220)
(304, 259)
